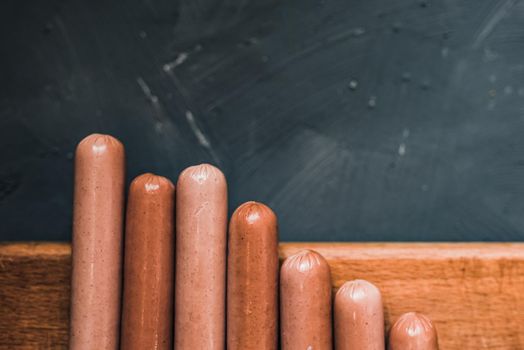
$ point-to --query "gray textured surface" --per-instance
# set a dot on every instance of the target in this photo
(353, 120)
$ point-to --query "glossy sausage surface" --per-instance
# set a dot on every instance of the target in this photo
(97, 243)
(305, 302)
(147, 315)
(359, 317)
(413, 331)
(252, 285)
(200, 279)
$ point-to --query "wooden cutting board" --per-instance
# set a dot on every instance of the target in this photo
(474, 292)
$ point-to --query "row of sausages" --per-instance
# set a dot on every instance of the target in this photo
(223, 275)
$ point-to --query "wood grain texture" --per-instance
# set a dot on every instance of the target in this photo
(34, 295)
(474, 292)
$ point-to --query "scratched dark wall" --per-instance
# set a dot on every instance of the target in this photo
(353, 120)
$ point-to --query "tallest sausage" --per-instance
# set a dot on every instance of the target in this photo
(200, 278)
(97, 243)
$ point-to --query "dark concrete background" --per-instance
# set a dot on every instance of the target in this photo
(353, 120)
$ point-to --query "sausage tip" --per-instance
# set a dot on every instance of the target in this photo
(98, 144)
(304, 261)
(151, 183)
(414, 324)
(254, 212)
(202, 173)
(358, 291)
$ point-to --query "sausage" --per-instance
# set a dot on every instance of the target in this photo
(147, 315)
(252, 284)
(413, 331)
(200, 279)
(305, 302)
(359, 317)
(97, 243)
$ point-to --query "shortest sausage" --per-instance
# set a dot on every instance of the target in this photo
(359, 317)
(305, 302)
(413, 331)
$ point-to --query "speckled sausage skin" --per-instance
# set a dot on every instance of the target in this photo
(147, 314)
(305, 302)
(413, 331)
(97, 243)
(200, 279)
(359, 317)
(252, 285)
